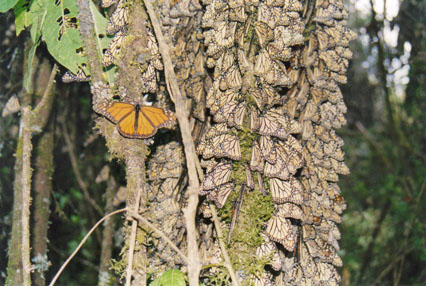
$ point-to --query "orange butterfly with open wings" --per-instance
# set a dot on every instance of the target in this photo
(138, 121)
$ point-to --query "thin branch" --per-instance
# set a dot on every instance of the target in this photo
(107, 234)
(392, 265)
(86, 237)
(29, 118)
(376, 146)
(194, 265)
(132, 241)
(26, 195)
(227, 263)
(160, 233)
(86, 30)
(74, 164)
(47, 95)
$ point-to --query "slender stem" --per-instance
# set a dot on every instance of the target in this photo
(132, 241)
(194, 265)
(86, 237)
(26, 195)
(160, 233)
(227, 263)
(74, 165)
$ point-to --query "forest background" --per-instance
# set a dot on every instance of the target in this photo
(383, 229)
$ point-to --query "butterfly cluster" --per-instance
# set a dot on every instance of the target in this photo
(165, 173)
(263, 78)
(285, 91)
(181, 22)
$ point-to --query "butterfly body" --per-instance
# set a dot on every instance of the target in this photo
(138, 121)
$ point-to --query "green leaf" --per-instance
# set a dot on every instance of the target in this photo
(62, 36)
(37, 15)
(23, 17)
(173, 277)
(102, 39)
(38, 10)
(5, 5)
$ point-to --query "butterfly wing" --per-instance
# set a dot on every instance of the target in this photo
(118, 111)
(158, 117)
(150, 119)
(126, 126)
(134, 121)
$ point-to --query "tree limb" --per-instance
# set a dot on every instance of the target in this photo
(194, 265)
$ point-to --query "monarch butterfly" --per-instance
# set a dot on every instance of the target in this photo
(278, 170)
(137, 121)
(261, 183)
(222, 146)
(107, 3)
(232, 113)
(263, 63)
(218, 175)
(249, 177)
(289, 210)
(113, 50)
(281, 230)
(275, 124)
(118, 19)
(286, 191)
(308, 232)
(79, 77)
(266, 248)
(221, 193)
(328, 273)
(257, 163)
(330, 234)
(269, 152)
(326, 253)
(307, 262)
(264, 280)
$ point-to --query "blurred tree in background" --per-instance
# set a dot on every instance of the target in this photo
(384, 228)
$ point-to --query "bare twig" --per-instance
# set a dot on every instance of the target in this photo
(74, 164)
(47, 96)
(227, 263)
(194, 263)
(376, 146)
(107, 234)
(132, 240)
(160, 233)
(86, 237)
(26, 195)
(236, 212)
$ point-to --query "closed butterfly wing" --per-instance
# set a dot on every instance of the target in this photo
(221, 194)
(289, 210)
(281, 230)
(267, 146)
(114, 48)
(257, 163)
(218, 175)
(79, 77)
(277, 170)
(227, 146)
(286, 191)
(119, 19)
(268, 248)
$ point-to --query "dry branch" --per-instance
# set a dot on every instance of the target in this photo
(194, 263)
